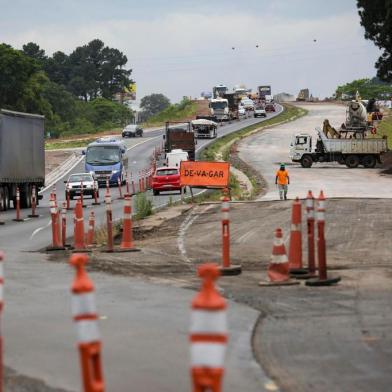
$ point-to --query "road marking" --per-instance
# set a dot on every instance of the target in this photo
(184, 228)
(144, 141)
(36, 231)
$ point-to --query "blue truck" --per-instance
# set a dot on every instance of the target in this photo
(106, 158)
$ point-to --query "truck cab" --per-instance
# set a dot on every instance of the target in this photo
(300, 144)
(107, 159)
(219, 109)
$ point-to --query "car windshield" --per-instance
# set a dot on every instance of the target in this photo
(130, 127)
(167, 172)
(80, 178)
(218, 105)
(103, 155)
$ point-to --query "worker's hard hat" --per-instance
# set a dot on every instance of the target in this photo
(282, 165)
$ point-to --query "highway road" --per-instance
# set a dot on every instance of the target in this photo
(144, 326)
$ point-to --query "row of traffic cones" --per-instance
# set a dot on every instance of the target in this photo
(283, 269)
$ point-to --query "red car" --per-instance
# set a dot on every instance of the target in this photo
(270, 107)
(166, 179)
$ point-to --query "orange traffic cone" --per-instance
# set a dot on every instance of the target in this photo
(127, 238)
(85, 316)
(278, 269)
(79, 244)
(208, 334)
(295, 247)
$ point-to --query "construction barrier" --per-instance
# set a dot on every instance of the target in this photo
(322, 279)
(295, 247)
(227, 268)
(84, 313)
(68, 197)
(127, 236)
(82, 194)
(278, 269)
(127, 183)
(56, 242)
(109, 222)
(33, 202)
(120, 195)
(79, 244)
(17, 206)
(64, 224)
(91, 229)
(208, 333)
(310, 234)
(96, 201)
(133, 185)
(1, 317)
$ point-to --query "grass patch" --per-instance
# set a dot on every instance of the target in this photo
(385, 127)
(68, 144)
(143, 206)
(222, 145)
(177, 112)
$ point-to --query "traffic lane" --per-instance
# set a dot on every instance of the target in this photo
(265, 151)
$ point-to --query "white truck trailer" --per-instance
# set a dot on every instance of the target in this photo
(351, 152)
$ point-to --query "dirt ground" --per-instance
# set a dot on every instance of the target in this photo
(301, 330)
(54, 159)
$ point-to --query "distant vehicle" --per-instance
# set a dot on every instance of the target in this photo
(22, 157)
(233, 101)
(174, 158)
(263, 91)
(180, 135)
(166, 179)
(270, 107)
(303, 95)
(219, 109)
(248, 104)
(107, 159)
(74, 185)
(204, 128)
(132, 130)
(241, 111)
(219, 91)
(259, 112)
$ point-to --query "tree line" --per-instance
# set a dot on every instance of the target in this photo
(73, 91)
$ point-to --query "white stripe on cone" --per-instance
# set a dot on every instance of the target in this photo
(203, 321)
(279, 259)
(83, 304)
(87, 331)
(208, 354)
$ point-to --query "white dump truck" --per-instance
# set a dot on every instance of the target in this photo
(351, 152)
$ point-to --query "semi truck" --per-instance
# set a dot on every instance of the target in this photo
(233, 101)
(180, 135)
(219, 90)
(219, 109)
(351, 152)
(22, 157)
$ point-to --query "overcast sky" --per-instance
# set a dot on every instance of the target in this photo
(183, 47)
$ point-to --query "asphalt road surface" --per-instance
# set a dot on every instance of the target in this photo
(265, 151)
(144, 326)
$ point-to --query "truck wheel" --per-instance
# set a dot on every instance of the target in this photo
(2, 199)
(306, 161)
(25, 196)
(7, 200)
(352, 161)
(155, 192)
(369, 161)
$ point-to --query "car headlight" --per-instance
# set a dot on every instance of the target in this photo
(114, 171)
(92, 173)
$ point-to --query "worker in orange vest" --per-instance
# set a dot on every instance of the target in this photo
(282, 179)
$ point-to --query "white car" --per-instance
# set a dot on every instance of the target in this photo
(241, 111)
(248, 104)
(74, 185)
(260, 112)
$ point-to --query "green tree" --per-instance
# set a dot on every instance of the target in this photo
(108, 113)
(33, 50)
(154, 103)
(16, 69)
(376, 18)
(367, 88)
(58, 68)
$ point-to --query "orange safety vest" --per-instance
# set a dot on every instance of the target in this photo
(283, 177)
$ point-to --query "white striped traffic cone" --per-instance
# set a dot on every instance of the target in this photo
(278, 269)
(208, 334)
(84, 313)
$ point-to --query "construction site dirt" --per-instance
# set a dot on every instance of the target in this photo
(325, 339)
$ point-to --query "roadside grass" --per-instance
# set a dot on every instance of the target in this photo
(385, 127)
(143, 206)
(176, 112)
(68, 144)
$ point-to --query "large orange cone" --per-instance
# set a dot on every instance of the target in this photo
(278, 269)
(127, 236)
(79, 243)
(295, 248)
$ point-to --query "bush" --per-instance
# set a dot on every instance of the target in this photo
(143, 206)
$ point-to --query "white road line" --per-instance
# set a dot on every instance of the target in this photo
(36, 231)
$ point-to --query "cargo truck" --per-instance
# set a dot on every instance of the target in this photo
(180, 135)
(22, 157)
(351, 152)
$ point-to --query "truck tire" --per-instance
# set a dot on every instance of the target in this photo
(352, 161)
(306, 161)
(25, 196)
(7, 200)
(369, 161)
(2, 199)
